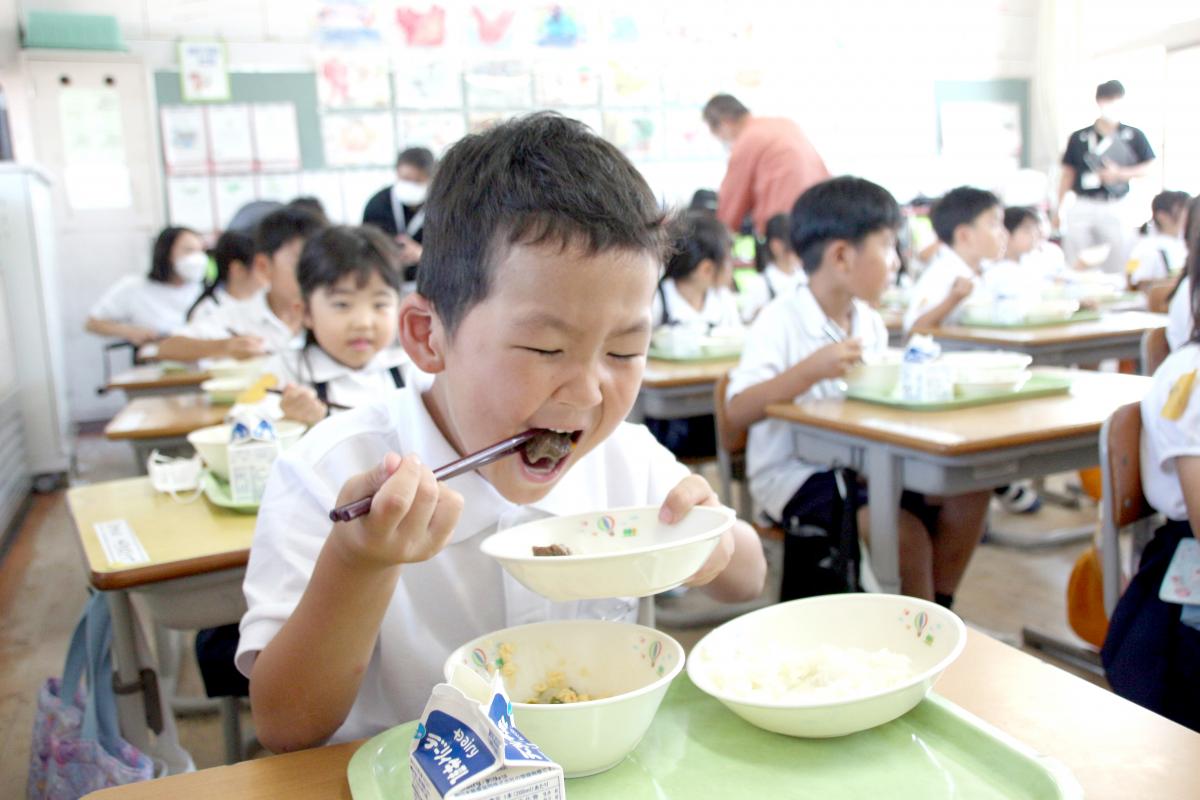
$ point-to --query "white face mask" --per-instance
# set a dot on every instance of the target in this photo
(1111, 112)
(409, 193)
(192, 267)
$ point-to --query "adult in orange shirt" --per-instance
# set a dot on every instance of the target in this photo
(771, 163)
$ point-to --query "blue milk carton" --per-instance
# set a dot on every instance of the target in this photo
(463, 749)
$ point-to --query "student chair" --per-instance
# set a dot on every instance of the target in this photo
(731, 462)
(1154, 349)
(1123, 503)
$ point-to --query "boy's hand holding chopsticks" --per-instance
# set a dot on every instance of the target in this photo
(833, 360)
(411, 517)
(302, 404)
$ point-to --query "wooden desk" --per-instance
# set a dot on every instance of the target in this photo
(1114, 335)
(1114, 748)
(162, 422)
(191, 578)
(151, 379)
(679, 389)
(951, 452)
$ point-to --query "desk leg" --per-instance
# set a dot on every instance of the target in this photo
(883, 476)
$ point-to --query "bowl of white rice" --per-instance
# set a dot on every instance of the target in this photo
(828, 666)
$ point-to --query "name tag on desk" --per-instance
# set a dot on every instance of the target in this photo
(120, 544)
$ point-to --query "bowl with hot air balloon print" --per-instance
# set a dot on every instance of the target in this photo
(623, 670)
(828, 666)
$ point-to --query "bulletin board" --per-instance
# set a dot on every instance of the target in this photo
(980, 118)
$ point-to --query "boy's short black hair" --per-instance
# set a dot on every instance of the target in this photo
(538, 179)
(1016, 216)
(779, 227)
(1169, 202)
(282, 226)
(843, 208)
(418, 158)
(695, 237)
(721, 107)
(342, 250)
(1109, 90)
(232, 246)
(704, 200)
(161, 268)
(312, 205)
(961, 206)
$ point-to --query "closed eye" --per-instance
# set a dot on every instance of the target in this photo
(543, 352)
(626, 356)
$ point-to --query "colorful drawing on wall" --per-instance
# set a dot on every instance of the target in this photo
(353, 79)
(422, 27)
(348, 23)
(628, 22)
(203, 72)
(437, 131)
(630, 84)
(638, 134)
(231, 192)
(560, 26)
(432, 84)
(493, 25)
(358, 139)
(190, 203)
(566, 84)
(499, 84)
(230, 139)
(281, 186)
(184, 139)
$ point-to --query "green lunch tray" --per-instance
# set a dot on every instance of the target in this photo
(698, 748)
(720, 355)
(217, 492)
(1036, 386)
(1078, 316)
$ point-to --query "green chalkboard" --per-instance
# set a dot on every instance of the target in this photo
(1009, 90)
(298, 88)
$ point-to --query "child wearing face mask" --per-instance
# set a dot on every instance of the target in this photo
(144, 308)
(399, 209)
(350, 284)
(1160, 251)
(778, 268)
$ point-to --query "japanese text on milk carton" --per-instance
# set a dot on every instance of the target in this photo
(252, 449)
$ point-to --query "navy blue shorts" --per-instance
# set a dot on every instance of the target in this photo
(814, 502)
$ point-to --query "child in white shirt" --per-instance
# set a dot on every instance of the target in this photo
(970, 224)
(267, 322)
(845, 232)
(350, 282)
(694, 292)
(532, 310)
(1159, 251)
(778, 268)
(143, 308)
(235, 282)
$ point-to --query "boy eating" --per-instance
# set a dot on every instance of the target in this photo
(542, 249)
(845, 233)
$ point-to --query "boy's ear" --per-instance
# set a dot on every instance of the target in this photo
(422, 334)
(839, 254)
(261, 266)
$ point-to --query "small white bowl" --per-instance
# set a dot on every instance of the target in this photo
(225, 391)
(212, 443)
(977, 361)
(233, 368)
(878, 373)
(1052, 311)
(624, 552)
(931, 636)
(629, 667)
(989, 382)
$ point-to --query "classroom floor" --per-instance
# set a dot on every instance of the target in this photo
(42, 583)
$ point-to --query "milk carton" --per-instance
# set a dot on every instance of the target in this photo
(253, 447)
(470, 750)
(922, 378)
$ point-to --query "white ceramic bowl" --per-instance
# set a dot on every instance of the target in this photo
(878, 373)
(212, 443)
(1052, 310)
(223, 391)
(929, 635)
(988, 382)
(629, 667)
(976, 362)
(625, 552)
(233, 368)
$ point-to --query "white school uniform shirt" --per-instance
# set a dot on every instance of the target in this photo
(344, 385)
(137, 300)
(219, 299)
(253, 317)
(763, 287)
(720, 308)
(934, 286)
(453, 597)
(1149, 252)
(1164, 440)
(1179, 315)
(788, 331)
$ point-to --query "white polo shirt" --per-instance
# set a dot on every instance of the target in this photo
(763, 287)
(1163, 439)
(253, 317)
(720, 308)
(453, 597)
(137, 300)
(219, 299)
(1179, 315)
(344, 385)
(788, 331)
(1155, 257)
(934, 286)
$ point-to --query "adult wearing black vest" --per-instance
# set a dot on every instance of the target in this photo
(399, 209)
(1097, 166)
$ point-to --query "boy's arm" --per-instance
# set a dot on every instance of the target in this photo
(750, 405)
(120, 330)
(305, 680)
(737, 569)
(959, 291)
(185, 348)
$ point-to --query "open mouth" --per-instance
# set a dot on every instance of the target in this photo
(546, 453)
